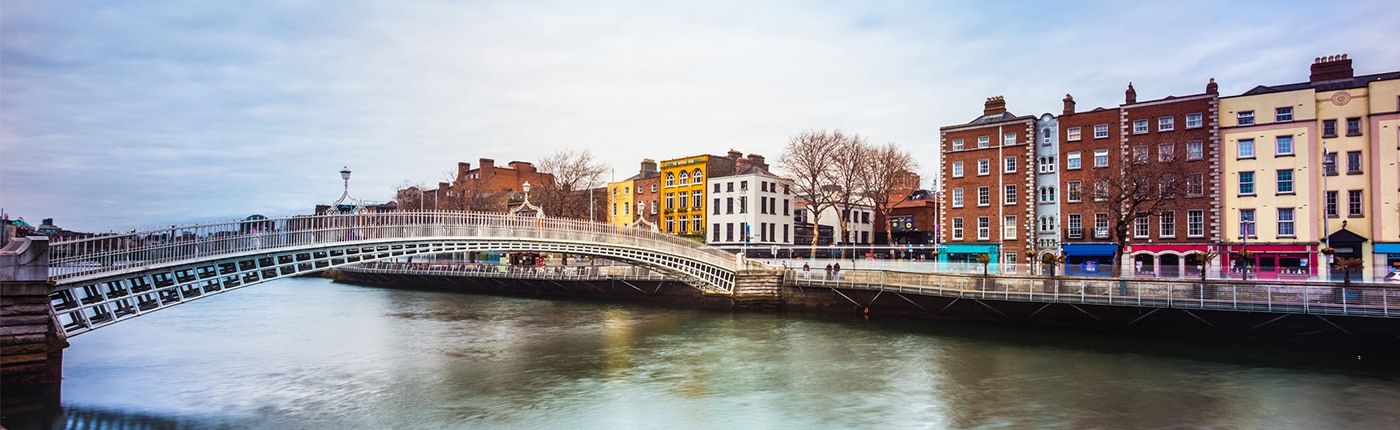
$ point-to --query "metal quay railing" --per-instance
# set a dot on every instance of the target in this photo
(1316, 298)
(115, 252)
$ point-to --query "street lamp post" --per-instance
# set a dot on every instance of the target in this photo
(359, 206)
(1247, 226)
(1324, 269)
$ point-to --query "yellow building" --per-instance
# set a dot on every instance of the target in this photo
(683, 194)
(1307, 167)
(627, 199)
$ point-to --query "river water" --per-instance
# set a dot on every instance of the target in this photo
(309, 353)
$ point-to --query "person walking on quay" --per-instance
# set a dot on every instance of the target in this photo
(836, 272)
(828, 271)
(806, 270)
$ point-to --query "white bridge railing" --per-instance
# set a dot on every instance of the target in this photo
(104, 254)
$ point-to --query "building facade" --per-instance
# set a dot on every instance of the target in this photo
(752, 208)
(1090, 146)
(1047, 192)
(988, 176)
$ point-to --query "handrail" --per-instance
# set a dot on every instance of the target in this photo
(119, 251)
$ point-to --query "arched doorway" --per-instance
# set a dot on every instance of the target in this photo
(1144, 265)
(1170, 266)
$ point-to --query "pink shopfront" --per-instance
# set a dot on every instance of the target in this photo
(1167, 260)
(1287, 262)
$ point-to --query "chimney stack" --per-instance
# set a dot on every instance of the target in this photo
(1212, 88)
(1331, 68)
(1069, 105)
(648, 166)
(1130, 96)
(758, 160)
(994, 106)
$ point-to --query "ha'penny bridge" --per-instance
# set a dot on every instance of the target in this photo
(53, 291)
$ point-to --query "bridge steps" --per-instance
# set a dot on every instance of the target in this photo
(758, 289)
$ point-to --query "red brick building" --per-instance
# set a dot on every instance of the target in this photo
(987, 174)
(489, 187)
(1090, 146)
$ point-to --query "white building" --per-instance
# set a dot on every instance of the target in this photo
(860, 226)
(753, 204)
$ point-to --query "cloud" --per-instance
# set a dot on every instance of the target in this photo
(115, 116)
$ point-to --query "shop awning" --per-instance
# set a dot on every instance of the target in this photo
(1089, 249)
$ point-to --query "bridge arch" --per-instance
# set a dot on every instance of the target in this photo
(105, 279)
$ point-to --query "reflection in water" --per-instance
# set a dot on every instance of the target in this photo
(307, 353)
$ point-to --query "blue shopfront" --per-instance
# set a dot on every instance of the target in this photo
(963, 257)
(1089, 259)
(1389, 253)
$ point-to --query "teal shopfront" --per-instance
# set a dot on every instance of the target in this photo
(1389, 253)
(963, 257)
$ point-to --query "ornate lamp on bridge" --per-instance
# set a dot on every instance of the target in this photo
(539, 212)
(341, 206)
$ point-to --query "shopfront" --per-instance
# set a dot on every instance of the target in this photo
(1167, 261)
(963, 257)
(1271, 261)
(1389, 254)
(1089, 259)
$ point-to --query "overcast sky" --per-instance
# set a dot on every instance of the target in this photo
(133, 114)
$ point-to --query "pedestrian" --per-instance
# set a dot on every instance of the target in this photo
(828, 271)
(806, 270)
(836, 271)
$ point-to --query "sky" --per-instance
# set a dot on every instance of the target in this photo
(124, 115)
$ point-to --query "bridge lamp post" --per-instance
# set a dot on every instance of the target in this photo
(359, 206)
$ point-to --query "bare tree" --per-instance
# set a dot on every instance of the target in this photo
(886, 179)
(853, 157)
(410, 197)
(1138, 188)
(576, 173)
(470, 194)
(809, 161)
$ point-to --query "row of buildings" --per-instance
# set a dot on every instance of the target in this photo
(1278, 180)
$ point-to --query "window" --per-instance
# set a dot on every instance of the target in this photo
(670, 225)
(1010, 165)
(1284, 181)
(1100, 189)
(957, 197)
(1045, 137)
(1193, 120)
(1009, 195)
(714, 232)
(1245, 118)
(1285, 222)
(698, 176)
(1166, 224)
(1195, 223)
(670, 201)
(684, 178)
(743, 204)
(984, 196)
(984, 167)
(1283, 114)
(1100, 158)
(1009, 139)
(1101, 225)
(984, 228)
(1247, 223)
(685, 220)
(1353, 126)
(1076, 225)
(670, 179)
(716, 206)
(1072, 161)
(983, 141)
(697, 199)
(653, 206)
(1047, 223)
(1047, 194)
(1283, 145)
(1141, 226)
(1331, 204)
(1195, 185)
(1353, 202)
(1246, 148)
(1195, 150)
(1139, 126)
(614, 209)
(1140, 154)
(1072, 191)
(729, 205)
(957, 169)
(1329, 163)
(699, 224)
(1329, 128)
(1008, 227)
(957, 144)
(743, 185)
(1353, 162)
(729, 232)
(716, 187)
(1072, 134)
(1047, 164)
(1166, 123)
(1166, 152)
(1246, 183)
(1101, 131)
(684, 197)
(957, 228)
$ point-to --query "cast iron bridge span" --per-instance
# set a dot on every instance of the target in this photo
(106, 279)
